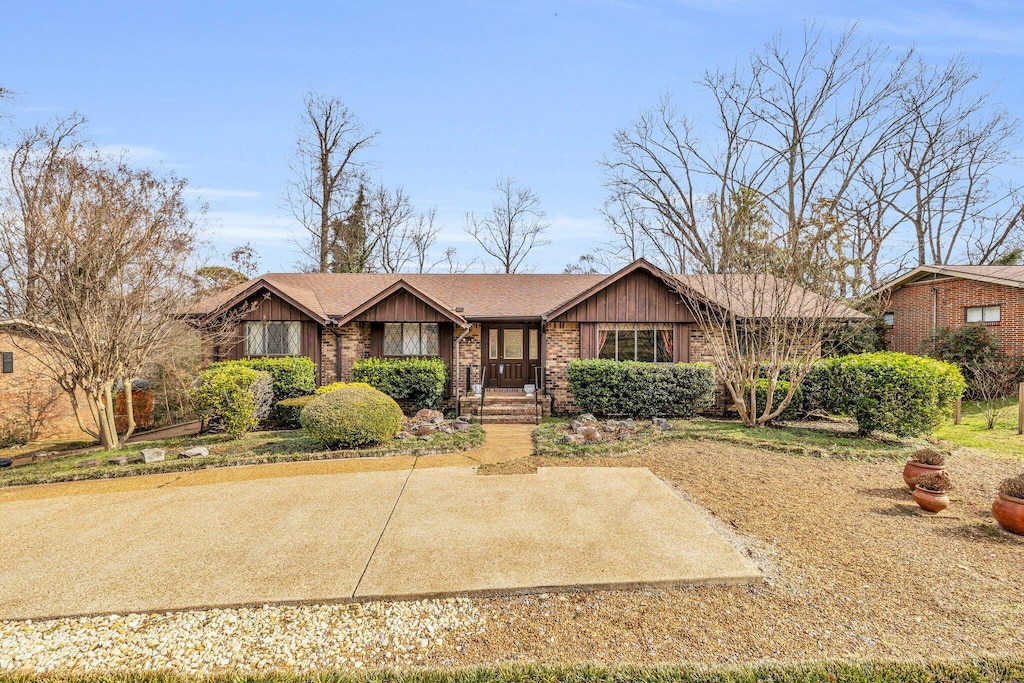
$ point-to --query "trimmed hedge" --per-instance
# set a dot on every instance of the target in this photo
(288, 411)
(608, 387)
(232, 397)
(419, 380)
(352, 417)
(334, 386)
(893, 392)
(792, 411)
(292, 375)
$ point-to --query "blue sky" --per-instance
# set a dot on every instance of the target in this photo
(461, 92)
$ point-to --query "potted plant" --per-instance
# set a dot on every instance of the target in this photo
(923, 461)
(1008, 508)
(931, 491)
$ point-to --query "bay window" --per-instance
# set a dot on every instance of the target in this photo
(645, 342)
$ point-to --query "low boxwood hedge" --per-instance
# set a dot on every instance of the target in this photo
(607, 387)
(292, 375)
(420, 381)
(352, 417)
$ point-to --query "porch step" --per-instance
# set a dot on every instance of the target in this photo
(505, 409)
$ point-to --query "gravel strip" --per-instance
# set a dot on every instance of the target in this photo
(296, 638)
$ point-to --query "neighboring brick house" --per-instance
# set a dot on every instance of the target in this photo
(929, 299)
(502, 331)
(25, 389)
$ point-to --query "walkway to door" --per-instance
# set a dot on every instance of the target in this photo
(318, 537)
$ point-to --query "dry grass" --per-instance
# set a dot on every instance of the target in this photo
(853, 570)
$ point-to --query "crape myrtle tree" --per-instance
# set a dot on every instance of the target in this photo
(96, 259)
(749, 206)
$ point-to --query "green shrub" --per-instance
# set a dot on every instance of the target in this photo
(339, 385)
(795, 406)
(607, 387)
(894, 392)
(288, 410)
(292, 375)
(817, 386)
(13, 433)
(419, 380)
(232, 397)
(352, 417)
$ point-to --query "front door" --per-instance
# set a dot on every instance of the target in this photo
(511, 353)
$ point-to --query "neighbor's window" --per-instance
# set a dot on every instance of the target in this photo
(276, 338)
(8, 362)
(644, 342)
(983, 314)
(889, 319)
(411, 339)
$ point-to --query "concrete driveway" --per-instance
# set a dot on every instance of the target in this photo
(351, 535)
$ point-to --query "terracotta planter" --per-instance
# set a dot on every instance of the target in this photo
(912, 470)
(932, 501)
(1009, 512)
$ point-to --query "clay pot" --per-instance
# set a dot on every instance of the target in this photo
(1009, 512)
(912, 470)
(932, 501)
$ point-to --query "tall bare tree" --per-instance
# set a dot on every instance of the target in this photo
(424, 236)
(514, 227)
(328, 172)
(94, 260)
(390, 225)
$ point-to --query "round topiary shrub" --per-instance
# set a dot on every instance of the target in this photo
(334, 386)
(352, 417)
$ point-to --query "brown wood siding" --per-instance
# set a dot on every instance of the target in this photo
(402, 307)
(637, 298)
(682, 345)
(588, 340)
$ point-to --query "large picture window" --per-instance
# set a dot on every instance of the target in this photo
(276, 338)
(411, 339)
(645, 342)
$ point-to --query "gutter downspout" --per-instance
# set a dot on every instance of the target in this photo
(456, 375)
(935, 318)
(337, 354)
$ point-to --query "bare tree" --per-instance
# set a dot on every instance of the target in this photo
(992, 381)
(328, 173)
(389, 229)
(794, 128)
(424, 236)
(514, 227)
(245, 259)
(94, 259)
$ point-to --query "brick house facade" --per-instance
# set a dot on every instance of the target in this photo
(25, 389)
(931, 299)
(502, 331)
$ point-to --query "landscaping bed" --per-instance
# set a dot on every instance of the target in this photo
(820, 438)
(250, 449)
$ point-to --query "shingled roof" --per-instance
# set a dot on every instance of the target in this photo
(334, 296)
(1010, 276)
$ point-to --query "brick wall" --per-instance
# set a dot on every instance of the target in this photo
(469, 357)
(912, 307)
(355, 345)
(563, 346)
(28, 385)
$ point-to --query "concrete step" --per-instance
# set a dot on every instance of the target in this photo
(508, 419)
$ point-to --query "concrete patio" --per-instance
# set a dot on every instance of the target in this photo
(409, 532)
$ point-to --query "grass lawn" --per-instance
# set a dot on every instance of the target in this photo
(251, 449)
(861, 672)
(973, 431)
(822, 439)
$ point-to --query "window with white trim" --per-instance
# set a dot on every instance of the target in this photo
(645, 342)
(982, 314)
(273, 338)
(411, 339)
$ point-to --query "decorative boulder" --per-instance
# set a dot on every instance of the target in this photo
(590, 435)
(152, 455)
(587, 418)
(87, 463)
(427, 415)
(118, 461)
(424, 430)
(661, 423)
(197, 452)
(460, 425)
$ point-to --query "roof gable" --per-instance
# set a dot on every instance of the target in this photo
(1010, 276)
(302, 299)
(393, 294)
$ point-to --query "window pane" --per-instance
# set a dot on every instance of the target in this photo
(534, 343)
(293, 345)
(665, 344)
(411, 339)
(627, 342)
(974, 315)
(606, 342)
(276, 342)
(492, 343)
(645, 343)
(889, 319)
(254, 345)
(513, 344)
(991, 314)
(392, 339)
(431, 344)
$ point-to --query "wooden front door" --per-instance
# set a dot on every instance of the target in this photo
(511, 353)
